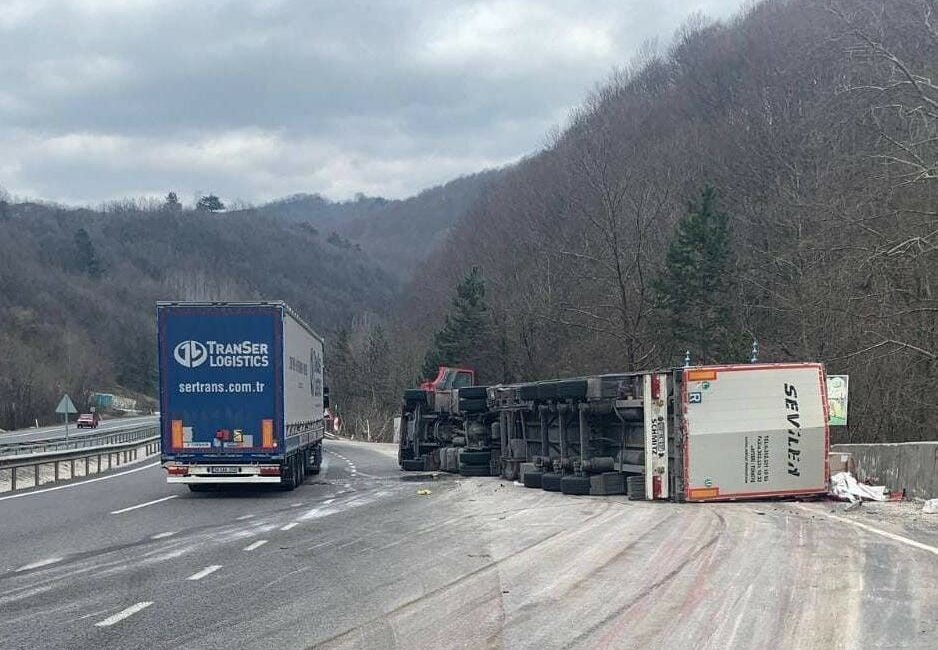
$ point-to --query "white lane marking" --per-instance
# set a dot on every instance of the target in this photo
(204, 572)
(243, 517)
(257, 544)
(877, 531)
(162, 535)
(144, 505)
(40, 563)
(295, 505)
(124, 613)
(79, 483)
(290, 525)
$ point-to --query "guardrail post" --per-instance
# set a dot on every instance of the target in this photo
(56, 471)
(71, 469)
(12, 479)
(35, 475)
(87, 465)
(109, 456)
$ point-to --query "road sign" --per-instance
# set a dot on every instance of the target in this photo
(65, 406)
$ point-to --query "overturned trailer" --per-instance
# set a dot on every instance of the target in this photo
(704, 433)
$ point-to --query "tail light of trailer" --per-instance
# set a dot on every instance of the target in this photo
(178, 470)
(270, 471)
(267, 434)
(655, 387)
(177, 434)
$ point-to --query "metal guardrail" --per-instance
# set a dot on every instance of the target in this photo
(80, 441)
(99, 453)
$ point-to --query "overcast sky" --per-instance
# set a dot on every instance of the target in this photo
(257, 99)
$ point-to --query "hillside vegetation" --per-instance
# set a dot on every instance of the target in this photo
(815, 126)
(397, 234)
(78, 290)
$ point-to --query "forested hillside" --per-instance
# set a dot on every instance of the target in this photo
(815, 127)
(78, 290)
(397, 234)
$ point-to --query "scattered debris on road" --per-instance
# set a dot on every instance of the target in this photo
(845, 487)
(424, 493)
(930, 507)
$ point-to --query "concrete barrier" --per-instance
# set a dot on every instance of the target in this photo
(912, 466)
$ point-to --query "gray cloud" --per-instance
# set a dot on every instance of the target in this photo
(256, 99)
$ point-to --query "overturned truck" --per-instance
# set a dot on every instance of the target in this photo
(704, 433)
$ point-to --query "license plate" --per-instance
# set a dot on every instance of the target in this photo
(223, 470)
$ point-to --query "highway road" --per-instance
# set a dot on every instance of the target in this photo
(357, 558)
(58, 430)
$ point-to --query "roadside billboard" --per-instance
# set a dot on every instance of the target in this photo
(837, 390)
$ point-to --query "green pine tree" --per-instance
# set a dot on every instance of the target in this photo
(466, 335)
(87, 257)
(695, 290)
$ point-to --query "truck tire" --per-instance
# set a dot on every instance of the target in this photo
(474, 470)
(317, 459)
(575, 485)
(413, 465)
(472, 405)
(288, 482)
(551, 481)
(198, 488)
(532, 479)
(636, 488)
(415, 396)
(473, 392)
(475, 458)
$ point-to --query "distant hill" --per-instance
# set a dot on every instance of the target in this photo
(396, 234)
(78, 287)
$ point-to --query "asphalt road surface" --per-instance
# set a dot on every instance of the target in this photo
(58, 430)
(357, 558)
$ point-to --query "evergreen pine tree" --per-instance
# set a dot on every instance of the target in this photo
(87, 256)
(172, 203)
(695, 289)
(466, 335)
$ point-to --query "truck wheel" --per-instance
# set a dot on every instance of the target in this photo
(198, 488)
(413, 465)
(575, 485)
(475, 458)
(532, 479)
(288, 482)
(317, 459)
(551, 481)
(474, 470)
(636, 487)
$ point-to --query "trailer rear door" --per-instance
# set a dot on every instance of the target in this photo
(754, 431)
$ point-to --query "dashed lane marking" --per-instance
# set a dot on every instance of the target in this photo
(124, 613)
(255, 545)
(163, 535)
(144, 505)
(40, 563)
(204, 572)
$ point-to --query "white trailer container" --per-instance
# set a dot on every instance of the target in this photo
(752, 431)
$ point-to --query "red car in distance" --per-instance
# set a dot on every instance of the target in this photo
(89, 420)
